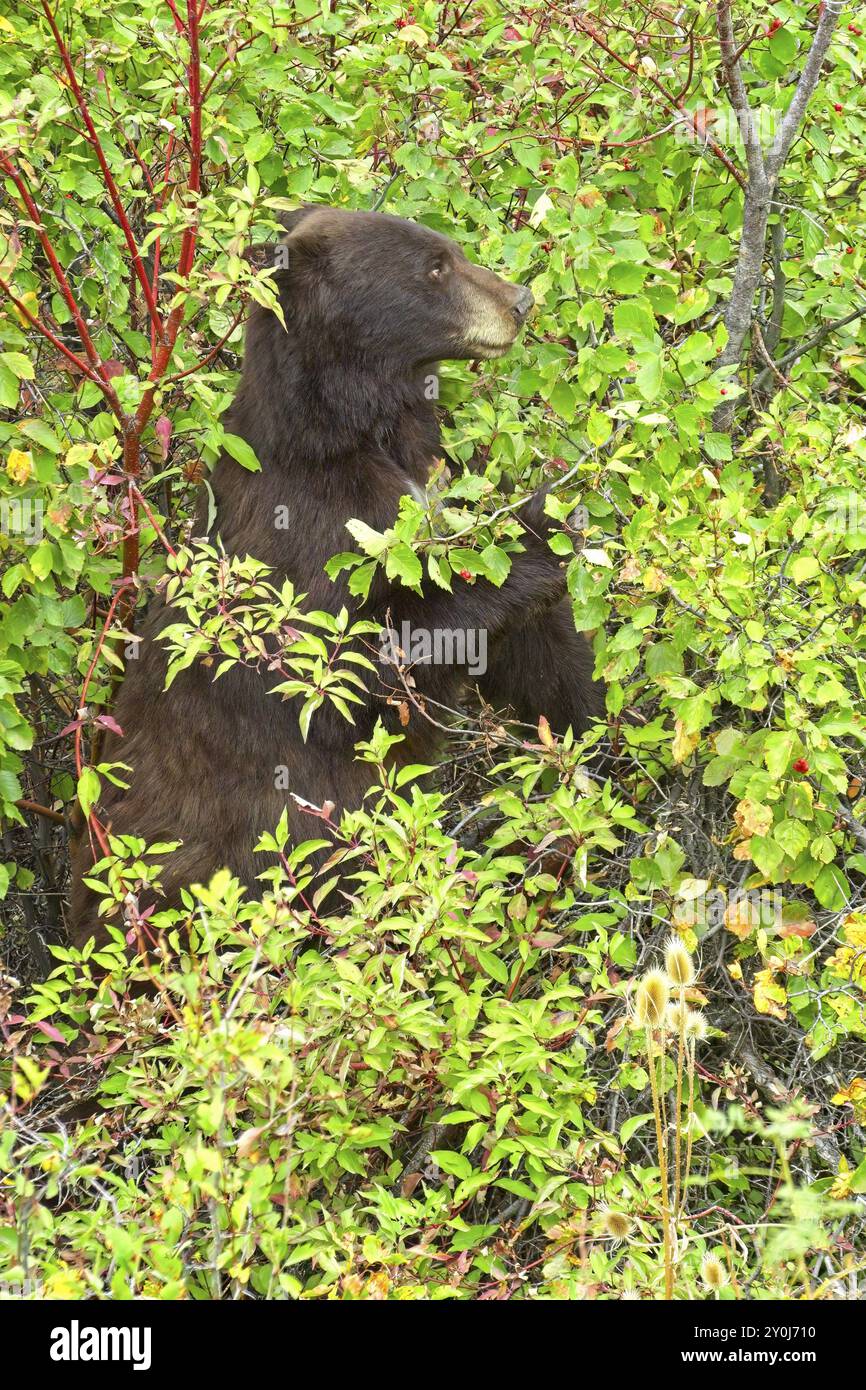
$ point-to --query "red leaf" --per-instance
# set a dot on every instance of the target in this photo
(162, 429)
(50, 1031)
(108, 722)
(72, 728)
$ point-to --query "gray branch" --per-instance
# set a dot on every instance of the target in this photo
(793, 117)
(774, 328)
(737, 90)
(763, 170)
(776, 1091)
(815, 341)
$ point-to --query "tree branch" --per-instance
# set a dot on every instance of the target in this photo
(778, 153)
(737, 91)
(98, 373)
(764, 171)
(78, 362)
(816, 339)
(107, 176)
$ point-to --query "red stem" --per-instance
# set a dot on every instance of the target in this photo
(107, 176)
(77, 362)
(63, 284)
(93, 822)
(208, 357)
(178, 22)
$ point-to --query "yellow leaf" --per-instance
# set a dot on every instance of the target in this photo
(753, 818)
(19, 466)
(853, 1094)
(377, 1286)
(850, 961)
(413, 33)
(855, 930)
(79, 455)
(29, 300)
(841, 1188)
(544, 733)
(769, 995)
(683, 744)
(742, 917)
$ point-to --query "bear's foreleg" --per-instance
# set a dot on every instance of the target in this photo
(545, 668)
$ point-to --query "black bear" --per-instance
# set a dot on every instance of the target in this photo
(337, 408)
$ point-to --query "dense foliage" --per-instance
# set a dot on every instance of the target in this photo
(440, 1090)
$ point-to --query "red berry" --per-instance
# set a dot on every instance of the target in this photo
(465, 574)
(849, 250)
(724, 390)
(801, 765)
(837, 106)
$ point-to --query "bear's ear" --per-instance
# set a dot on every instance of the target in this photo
(290, 221)
(275, 255)
(309, 232)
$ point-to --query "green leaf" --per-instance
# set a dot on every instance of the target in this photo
(632, 1125)
(241, 452)
(402, 563)
(456, 1164)
(634, 319)
(88, 789)
(42, 560)
(779, 750)
(598, 428)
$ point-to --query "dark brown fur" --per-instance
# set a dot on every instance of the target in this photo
(336, 411)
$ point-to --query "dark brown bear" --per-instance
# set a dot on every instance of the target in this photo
(336, 409)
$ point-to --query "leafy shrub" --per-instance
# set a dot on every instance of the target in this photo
(435, 1093)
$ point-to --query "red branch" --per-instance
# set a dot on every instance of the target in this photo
(101, 376)
(95, 826)
(164, 333)
(674, 103)
(107, 176)
(78, 362)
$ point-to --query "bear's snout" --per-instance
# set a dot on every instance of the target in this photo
(523, 303)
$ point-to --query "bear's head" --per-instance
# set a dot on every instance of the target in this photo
(389, 290)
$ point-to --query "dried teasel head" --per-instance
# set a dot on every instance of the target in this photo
(713, 1272)
(615, 1224)
(651, 999)
(677, 1017)
(679, 963)
(696, 1025)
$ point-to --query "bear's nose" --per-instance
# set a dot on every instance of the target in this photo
(523, 303)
